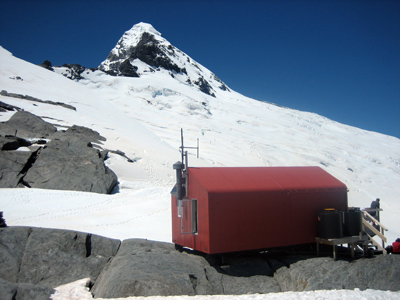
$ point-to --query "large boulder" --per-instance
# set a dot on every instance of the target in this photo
(63, 160)
(71, 163)
(26, 125)
(12, 163)
(147, 268)
(36, 260)
(11, 166)
(24, 291)
(381, 272)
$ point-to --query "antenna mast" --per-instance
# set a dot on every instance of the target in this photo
(184, 153)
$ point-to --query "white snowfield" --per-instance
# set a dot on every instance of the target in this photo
(143, 118)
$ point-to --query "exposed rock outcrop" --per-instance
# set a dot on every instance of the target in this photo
(74, 71)
(47, 65)
(36, 260)
(11, 166)
(149, 268)
(24, 124)
(323, 273)
(51, 159)
(34, 99)
(7, 107)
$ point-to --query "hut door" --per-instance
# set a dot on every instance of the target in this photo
(188, 216)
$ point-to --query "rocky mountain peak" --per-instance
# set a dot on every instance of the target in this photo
(142, 49)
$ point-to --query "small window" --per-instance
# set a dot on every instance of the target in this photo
(187, 211)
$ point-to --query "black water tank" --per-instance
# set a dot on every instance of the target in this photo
(330, 224)
(352, 222)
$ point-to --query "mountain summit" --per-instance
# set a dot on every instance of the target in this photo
(143, 50)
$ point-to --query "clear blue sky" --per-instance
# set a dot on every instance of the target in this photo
(340, 59)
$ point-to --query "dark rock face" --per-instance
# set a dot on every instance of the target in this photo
(76, 167)
(2, 220)
(127, 69)
(149, 268)
(13, 143)
(67, 162)
(204, 86)
(47, 65)
(324, 273)
(24, 291)
(34, 261)
(25, 124)
(74, 71)
(30, 98)
(7, 107)
(11, 166)
(223, 85)
(148, 50)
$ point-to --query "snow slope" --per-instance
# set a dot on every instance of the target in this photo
(143, 117)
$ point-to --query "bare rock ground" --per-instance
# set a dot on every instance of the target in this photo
(36, 260)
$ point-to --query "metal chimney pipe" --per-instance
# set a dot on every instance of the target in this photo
(178, 166)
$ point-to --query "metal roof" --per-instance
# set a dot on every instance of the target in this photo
(258, 179)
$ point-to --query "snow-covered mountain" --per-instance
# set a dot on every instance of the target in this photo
(142, 49)
(140, 97)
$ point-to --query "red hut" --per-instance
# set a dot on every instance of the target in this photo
(221, 210)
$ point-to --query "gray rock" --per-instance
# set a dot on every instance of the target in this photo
(26, 125)
(51, 257)
(12, 246)
(7, 290)
(248, 265)
(381, 272)
(85, 134)
(24, 291)
(248, 274)
(30, 98)
(36, 260)
(147, 268)
(71, 164)
(12, 164)
(7, 107)
(67, 162)
(13, 143)
(233, 285)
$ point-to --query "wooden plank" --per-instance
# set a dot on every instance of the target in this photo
(375, 220)
(374, 230)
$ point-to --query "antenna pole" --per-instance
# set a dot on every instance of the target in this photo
(182, 147)
(184, 153)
